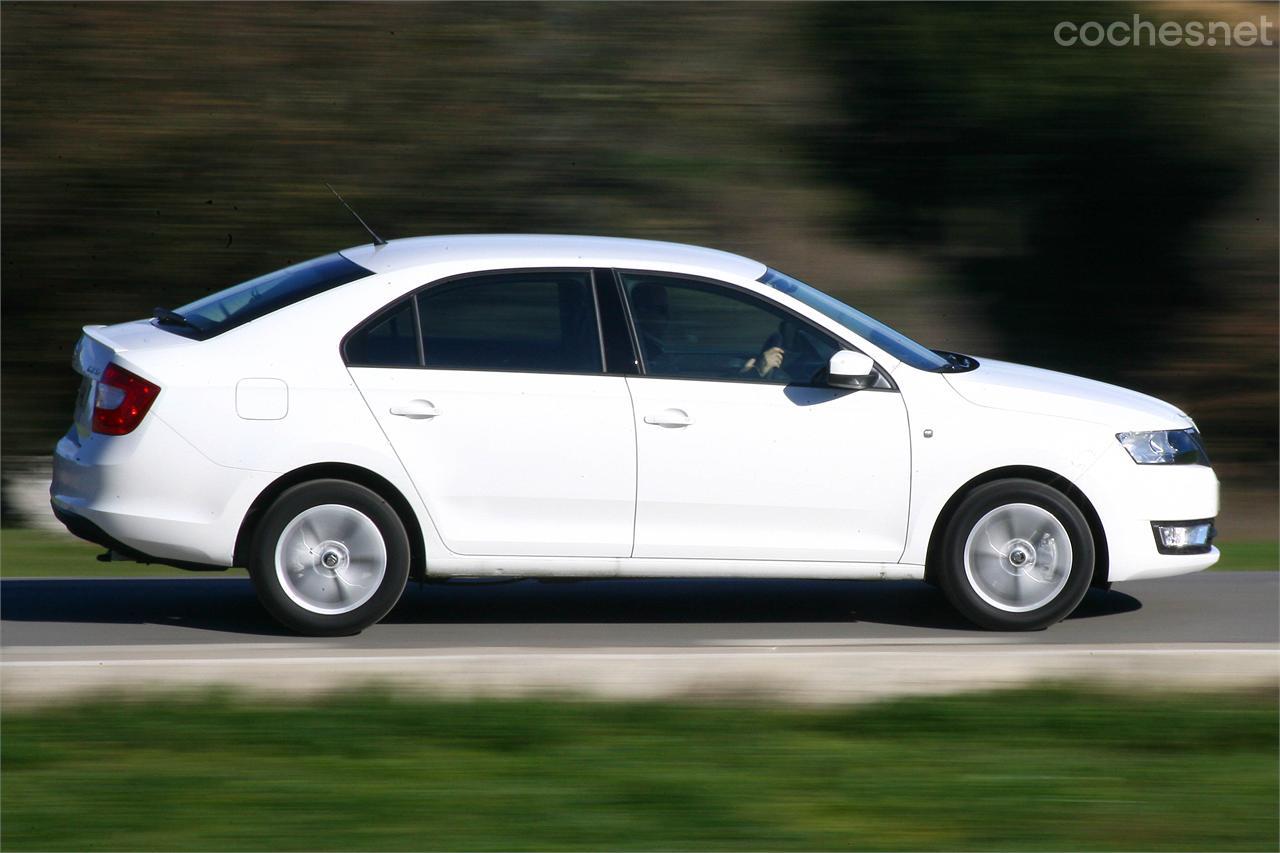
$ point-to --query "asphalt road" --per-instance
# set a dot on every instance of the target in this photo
(788, 641)
(1216, 607)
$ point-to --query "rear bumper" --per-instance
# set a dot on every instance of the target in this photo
(150, 494)
(90, 532)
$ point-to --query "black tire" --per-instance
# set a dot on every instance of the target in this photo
(979, 605)
(376, 597)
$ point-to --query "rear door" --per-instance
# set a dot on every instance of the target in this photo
(493, 390)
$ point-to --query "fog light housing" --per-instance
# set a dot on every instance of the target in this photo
(1184, 537)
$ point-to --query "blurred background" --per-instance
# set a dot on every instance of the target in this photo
(950, 169)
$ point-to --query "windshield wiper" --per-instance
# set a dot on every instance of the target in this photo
(172, 318)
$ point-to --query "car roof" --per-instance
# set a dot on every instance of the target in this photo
(536, 250)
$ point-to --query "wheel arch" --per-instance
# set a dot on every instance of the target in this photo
(336, 471)
(1101, 565)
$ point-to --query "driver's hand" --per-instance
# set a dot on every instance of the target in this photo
(770, 360)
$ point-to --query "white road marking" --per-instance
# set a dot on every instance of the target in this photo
(266, 660)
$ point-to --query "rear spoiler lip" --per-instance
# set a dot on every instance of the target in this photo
(94, 331)
(88, 359)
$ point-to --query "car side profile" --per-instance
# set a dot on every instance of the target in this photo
(585, 407)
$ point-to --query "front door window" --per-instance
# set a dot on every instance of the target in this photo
(692, 329)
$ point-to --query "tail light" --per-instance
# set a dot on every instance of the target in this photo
(122, 401)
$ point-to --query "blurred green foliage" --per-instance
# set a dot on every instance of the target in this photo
(1248, 556)
(1045, 173)
(1107, 211)
(26, 553)
(1044, 769)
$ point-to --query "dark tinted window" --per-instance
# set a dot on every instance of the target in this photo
(249, 300)
(389, 340)
(698, 330)
(537, 321)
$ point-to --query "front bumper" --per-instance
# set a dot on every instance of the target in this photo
(1129, 498)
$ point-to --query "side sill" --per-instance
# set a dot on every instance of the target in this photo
(655, 567)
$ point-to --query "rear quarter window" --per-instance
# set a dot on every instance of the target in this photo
(388, 340)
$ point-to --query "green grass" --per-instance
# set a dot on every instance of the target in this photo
(1249, 557)
(1043, 769)
(37, 554)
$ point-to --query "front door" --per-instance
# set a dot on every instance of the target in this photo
(743, 453)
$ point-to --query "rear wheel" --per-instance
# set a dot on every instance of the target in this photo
(330, 558)
(1018, 556)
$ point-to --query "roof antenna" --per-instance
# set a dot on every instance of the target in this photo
(377, 241)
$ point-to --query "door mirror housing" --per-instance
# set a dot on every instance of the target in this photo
(849, 369)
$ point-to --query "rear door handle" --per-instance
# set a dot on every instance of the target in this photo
(669, 418)
(416, 409)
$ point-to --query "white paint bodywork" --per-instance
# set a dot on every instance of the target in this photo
(531, 474)
(766, 472)
(515, 464)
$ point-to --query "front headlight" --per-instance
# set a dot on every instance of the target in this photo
(1165, 447)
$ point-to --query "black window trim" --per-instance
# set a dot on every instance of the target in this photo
(595, 306)
(842, 341)
(413, 295)
(417, 332)
(607, 279)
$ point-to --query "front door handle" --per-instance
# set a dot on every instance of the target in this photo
(416, 409)
(669, 418)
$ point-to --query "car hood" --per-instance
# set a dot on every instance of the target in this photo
(1016, 387)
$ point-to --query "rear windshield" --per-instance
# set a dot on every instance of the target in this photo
(258, 297)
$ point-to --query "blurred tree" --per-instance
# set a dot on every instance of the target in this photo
(1064, 185)
(153, 153)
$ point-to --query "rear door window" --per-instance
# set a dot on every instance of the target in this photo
(539, 321)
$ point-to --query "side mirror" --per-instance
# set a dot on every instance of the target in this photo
(848, 369)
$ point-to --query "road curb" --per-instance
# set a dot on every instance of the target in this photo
(798, 675)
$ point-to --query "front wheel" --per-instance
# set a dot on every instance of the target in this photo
(1018, 556)
(330, 558)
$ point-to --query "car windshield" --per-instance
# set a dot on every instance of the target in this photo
(226, 309)
(868, 328)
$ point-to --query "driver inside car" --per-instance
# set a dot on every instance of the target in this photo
(768, 365)
(651, 305)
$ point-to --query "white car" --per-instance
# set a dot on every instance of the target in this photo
(587, 407)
